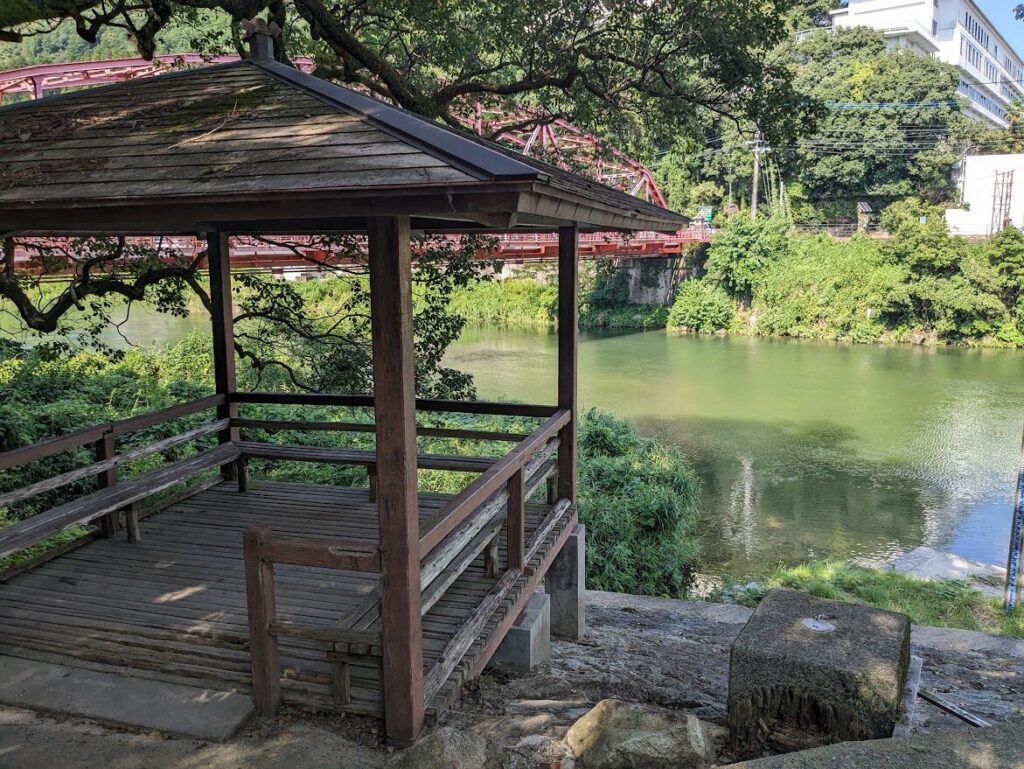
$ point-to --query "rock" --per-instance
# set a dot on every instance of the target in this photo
(620, 735)
(537, 751)
(501, 736)
(443, 749)
(805, 671)
(996, 747)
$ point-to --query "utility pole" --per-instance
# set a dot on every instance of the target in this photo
(758, 147)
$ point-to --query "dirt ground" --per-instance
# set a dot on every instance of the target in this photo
(670, 653)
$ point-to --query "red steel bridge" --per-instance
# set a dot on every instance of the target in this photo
(557, 142)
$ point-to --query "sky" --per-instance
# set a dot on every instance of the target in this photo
(1000, 12)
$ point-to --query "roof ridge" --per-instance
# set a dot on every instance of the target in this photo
(435, 139)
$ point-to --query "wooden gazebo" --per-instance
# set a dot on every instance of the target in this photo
(385, 619)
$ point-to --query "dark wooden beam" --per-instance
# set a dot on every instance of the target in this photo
(262, 606)
(397, 498)
(218, 256)
(568, 322)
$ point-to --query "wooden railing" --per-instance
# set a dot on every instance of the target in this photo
(506, 474)
(468, 525)
(112, 496)
(262, 550)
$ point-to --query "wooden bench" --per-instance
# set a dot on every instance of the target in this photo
(124, 494)
(361, 457)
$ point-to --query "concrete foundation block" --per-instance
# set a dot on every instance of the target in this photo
(566, 584)
(528, 643)
(805, 671)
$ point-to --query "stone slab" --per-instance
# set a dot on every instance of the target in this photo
(996, 747)
(905, 726)
(528, 642)
(816, 671)
(929, 563)
(204, 713)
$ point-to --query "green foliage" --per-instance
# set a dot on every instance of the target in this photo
(884, 152)
(533, 303)
(918, 285)
(638, 499)
(941, 603)
(508, 303)
(1006, 254)
(742, 250)
(823, 289)
(702, 307)
(878, 124)
(637, 495)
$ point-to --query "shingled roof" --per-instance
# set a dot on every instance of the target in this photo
(257, 145)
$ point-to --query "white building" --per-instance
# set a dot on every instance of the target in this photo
(954, 31)
(992, 195)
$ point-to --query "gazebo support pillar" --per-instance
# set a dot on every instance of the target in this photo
(218, 259)
(565, 582)
(397, 498)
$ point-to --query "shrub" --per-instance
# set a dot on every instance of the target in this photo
(638, 499)
(702, 307)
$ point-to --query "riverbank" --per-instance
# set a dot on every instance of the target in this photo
(918, 286)
(532, 303)
(952, 603)
(665, 653)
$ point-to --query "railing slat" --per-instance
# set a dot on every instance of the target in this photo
(87, 435)
(328, 554)
(422, 404)
(276, 425)
(108, 465)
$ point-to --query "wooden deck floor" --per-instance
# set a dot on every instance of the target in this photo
(173, 607)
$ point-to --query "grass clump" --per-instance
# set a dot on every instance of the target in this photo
(638, 499)
(941, 603)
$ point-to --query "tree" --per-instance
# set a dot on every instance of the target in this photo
(742, 250)
(626, 68)
(1006, 253)
(635, 72)
(891, 124)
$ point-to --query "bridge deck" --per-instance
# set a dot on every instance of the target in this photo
(173, 607)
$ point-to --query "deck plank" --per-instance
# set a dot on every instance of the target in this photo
(173, 607)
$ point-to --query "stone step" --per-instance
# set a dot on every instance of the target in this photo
(119, 699)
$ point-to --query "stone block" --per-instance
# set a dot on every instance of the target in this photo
(813, 672)
(566, 584)
(528, 643)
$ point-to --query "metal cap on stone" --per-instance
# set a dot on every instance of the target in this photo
(261, 36)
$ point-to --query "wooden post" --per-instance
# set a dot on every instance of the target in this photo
(218, 258)
(259, 593)
(568, 309)
(104, 449)
(132, 522)
(397, 497)
(516, 521)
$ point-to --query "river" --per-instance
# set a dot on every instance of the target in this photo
(805, 450)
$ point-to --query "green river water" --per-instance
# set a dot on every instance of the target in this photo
(806, 450)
